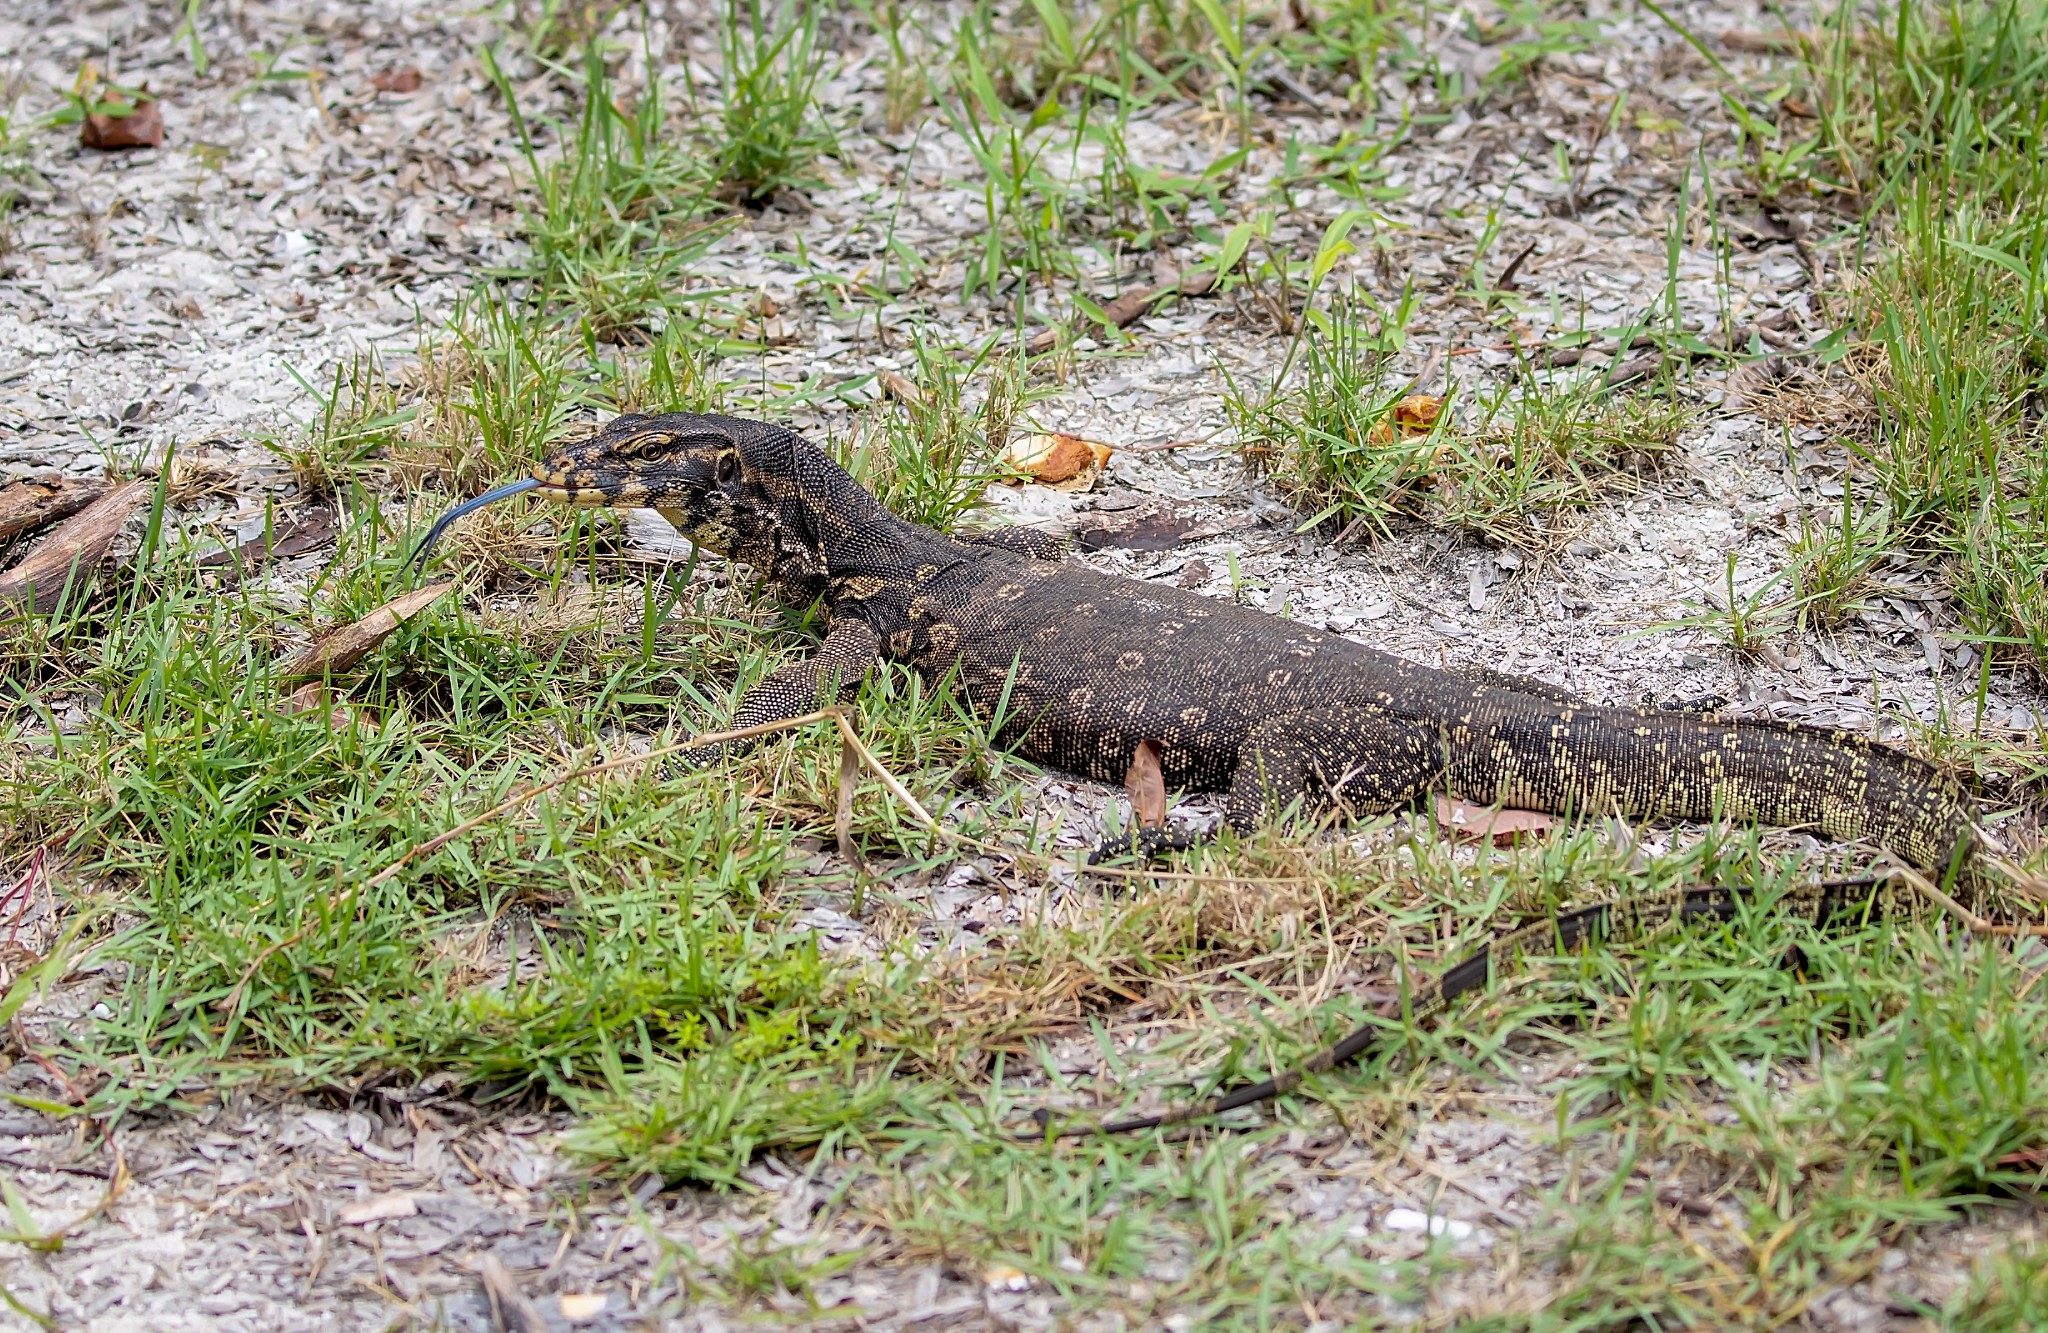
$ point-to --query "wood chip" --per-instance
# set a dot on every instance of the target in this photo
(580, 1307)
(79, 544)
(383, 1208)
(341, 648)
(509, 1307)
(1479, 823)
(29, 504)
(1145, 784)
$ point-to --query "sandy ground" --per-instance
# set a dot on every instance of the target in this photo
(184, 293)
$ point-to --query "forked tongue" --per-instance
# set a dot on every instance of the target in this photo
(510, 489)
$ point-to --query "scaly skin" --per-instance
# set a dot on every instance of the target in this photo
(1277, 715)
(1283, 719)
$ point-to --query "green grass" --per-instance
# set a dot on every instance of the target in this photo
(622, 211)
(1514, 469)
(770, 131)
(931, 460)
(635, 947)
(1931, 120)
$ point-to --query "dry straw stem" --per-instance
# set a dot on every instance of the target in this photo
(233, 998)
(79, 544)
(1978, 925)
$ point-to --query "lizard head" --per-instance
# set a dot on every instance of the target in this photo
(687, 467)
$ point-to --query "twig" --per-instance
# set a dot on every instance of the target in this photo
(888, 779)
(842, 820)
(1977, 924)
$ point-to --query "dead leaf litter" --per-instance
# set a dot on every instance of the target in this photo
(165, 293)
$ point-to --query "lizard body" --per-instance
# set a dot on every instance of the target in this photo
(1082, 666)
(1077, 667)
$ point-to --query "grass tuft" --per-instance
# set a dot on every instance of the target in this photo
(1349, 445)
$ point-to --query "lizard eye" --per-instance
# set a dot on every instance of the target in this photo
(728, 467)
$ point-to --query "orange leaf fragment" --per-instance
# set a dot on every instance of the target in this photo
(1417, 413)
(1063, 462)
(1414, 415)
(1503, 827)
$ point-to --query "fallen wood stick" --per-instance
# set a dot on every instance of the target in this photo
(77, 546)
(33, 501)
(1125, 310)
(343, 647)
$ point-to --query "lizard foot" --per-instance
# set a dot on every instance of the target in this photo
(1703, 704)
(1142, 843)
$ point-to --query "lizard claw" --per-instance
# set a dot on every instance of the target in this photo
(685, 762)
(1142, 843)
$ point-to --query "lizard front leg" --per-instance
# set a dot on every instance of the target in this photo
(829, 676)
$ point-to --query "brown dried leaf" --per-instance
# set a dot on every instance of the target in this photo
(404, 79)
(316, 529)
(1761, 43)
(30, 503)
(1480, 823)
(311, 698)
(1125, 310)
(141, 128)
(1148, 530)
(1063, 462)
(339, 649)
(79, 544)
(902, 388)
(1145, 784)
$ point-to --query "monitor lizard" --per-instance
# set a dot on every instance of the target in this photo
(1076, 667)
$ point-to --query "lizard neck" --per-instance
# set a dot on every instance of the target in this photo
(812, 531)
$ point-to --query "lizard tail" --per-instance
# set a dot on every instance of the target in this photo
(1664, 765)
